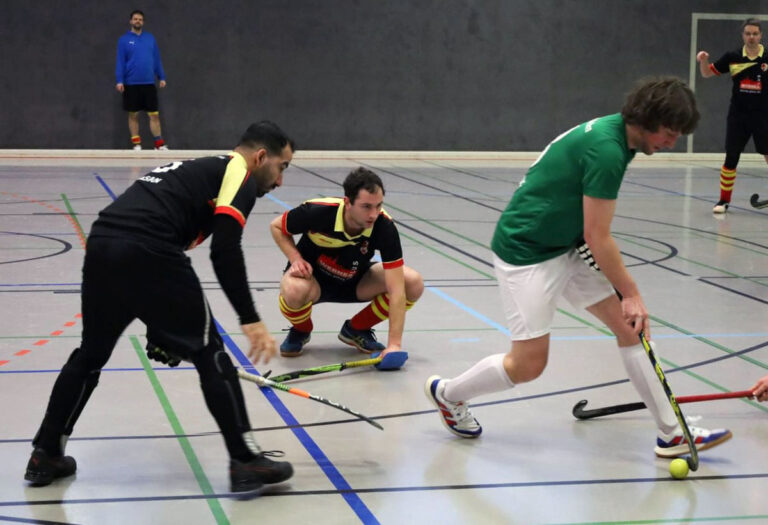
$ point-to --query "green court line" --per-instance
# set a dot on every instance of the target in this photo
(697, 263)
(418, 173)
(435, 225)
(73, 215)
(186, 447)
(708, 342)
(439, 252)
(708, 236)
(669, 520)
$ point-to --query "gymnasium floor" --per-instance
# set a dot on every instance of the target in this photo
(149, 452)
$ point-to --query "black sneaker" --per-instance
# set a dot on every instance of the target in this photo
(248, 476)
(293, 345)
(43, 469)
(363, 340)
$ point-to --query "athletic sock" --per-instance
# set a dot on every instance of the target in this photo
(136, 140)
(376, 312)
(159, 141)
(486, 377)
(644, 379)
(727, 180)
(300, 318)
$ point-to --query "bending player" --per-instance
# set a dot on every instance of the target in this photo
(332, 263)
(569, 193)
(135, 267)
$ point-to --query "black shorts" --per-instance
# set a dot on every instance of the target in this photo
(125, 280)
(745, 124)
(140, 97)
(332, 290)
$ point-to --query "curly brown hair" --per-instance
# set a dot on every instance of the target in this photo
(662, 101)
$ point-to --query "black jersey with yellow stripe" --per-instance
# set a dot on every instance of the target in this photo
(176, 203)
(749, 90)
(329, 249)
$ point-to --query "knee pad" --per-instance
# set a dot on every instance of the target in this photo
(213, 362)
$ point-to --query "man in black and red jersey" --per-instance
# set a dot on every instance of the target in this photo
(332, 263)
(748, 112)
(135, 268)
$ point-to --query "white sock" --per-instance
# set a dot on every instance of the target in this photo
(486, 377)
(644, 379)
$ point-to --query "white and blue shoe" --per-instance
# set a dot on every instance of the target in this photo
(456, 417)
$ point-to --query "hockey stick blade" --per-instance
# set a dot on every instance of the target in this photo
(580, 412)
(756, 202)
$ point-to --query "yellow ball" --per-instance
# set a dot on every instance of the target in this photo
(678, 468)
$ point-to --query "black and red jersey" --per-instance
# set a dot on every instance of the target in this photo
(329, 249)
(176, 203)
(750, 83)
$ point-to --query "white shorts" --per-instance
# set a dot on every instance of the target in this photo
(529, 294)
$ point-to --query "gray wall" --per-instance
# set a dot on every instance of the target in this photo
(354, 74)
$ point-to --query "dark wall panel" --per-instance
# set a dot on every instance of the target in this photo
(354, 74)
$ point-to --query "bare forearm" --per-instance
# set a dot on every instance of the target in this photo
(608, 257)
(705, 70)
(284, 242)
(396, 320)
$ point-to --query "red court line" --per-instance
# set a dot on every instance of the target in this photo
(4, 363)
(57, 332)
(41, 342)
(22, 352)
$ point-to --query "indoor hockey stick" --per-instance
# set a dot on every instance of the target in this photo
(756, 202)
(579, 412)
(693, 459)
(391, 361)
(263, 381)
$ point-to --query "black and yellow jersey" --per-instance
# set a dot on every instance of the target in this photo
(176, 203)
(749, 91)
(329, 249)
(176, 206)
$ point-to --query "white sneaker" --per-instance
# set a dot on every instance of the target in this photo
(137, 147)
(455, 416)
(162, 148)
(720, 207)
(674, 444)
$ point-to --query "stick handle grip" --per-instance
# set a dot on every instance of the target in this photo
(712, 397)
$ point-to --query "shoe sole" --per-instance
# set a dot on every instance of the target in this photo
(247, 493)
(699, 448)
(428, 393)
(352, 342)
(39, 479)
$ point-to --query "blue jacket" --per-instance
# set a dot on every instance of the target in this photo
(138, 59)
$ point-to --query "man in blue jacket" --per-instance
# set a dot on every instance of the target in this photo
(138, 63)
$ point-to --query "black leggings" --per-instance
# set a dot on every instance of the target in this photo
(124, 280)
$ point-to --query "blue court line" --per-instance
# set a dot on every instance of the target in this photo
(470, 311)
(104, 185)
(281, 203)
(333, 474)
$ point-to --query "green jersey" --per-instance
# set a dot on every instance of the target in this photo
(545, 217)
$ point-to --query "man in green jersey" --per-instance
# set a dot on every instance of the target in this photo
(569, 194)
